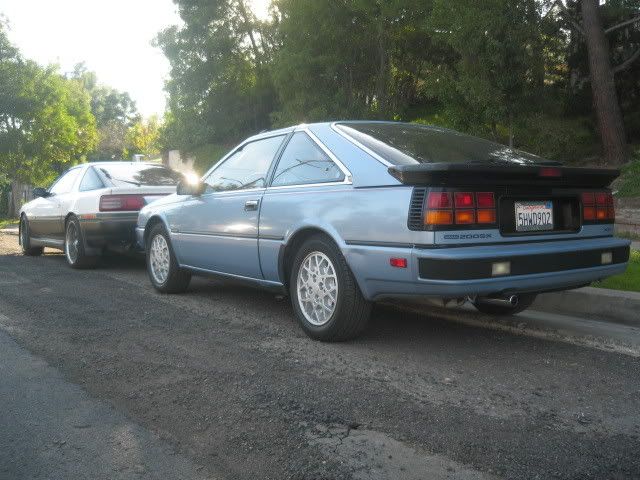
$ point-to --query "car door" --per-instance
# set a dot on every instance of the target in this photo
(219, 229)
(47, 216)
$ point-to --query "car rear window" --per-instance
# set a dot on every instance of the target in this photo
(411, 144)
(140, 174)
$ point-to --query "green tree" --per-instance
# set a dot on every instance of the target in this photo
(115, 112)
(499, 70)
(219, 89)
(143, 138)
(46, 123)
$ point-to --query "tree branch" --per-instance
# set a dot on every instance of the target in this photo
(568, 15)
(624, 65)
(622, 24)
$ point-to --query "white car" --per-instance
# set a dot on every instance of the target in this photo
(92, 207)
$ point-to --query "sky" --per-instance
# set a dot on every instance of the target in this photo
(113, 38)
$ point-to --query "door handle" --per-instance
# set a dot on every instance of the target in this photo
(251, 205)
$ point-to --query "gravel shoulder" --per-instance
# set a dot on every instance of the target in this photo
(225, 377)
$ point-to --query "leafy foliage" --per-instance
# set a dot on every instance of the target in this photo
(45, 119)
(508, 70)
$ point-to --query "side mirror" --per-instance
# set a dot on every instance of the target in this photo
(188, 188)
(41, 192)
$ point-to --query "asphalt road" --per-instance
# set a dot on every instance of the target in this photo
(101, 377)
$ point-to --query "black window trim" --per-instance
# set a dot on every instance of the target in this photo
(347, 180)
(90, 167)
(63, 174)
(285, 140)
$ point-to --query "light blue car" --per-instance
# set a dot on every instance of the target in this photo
(339, 215)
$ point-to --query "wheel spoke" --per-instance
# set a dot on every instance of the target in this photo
(317, 288)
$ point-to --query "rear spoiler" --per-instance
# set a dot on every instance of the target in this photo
(447, 174)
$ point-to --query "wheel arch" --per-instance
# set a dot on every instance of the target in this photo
(152, 222)
(291, 246)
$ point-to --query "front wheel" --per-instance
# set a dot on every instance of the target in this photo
(164, 272)
(486, 306)
(326, 298)
(25, 240)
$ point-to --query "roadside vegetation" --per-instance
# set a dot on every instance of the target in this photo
(629, 280)
(8, 222)
(519, 72)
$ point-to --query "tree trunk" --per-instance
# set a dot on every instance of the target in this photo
(605, 98)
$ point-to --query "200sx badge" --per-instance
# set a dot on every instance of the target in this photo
(534, 216)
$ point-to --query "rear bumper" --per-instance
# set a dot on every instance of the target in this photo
(466, 271)
(109, 229)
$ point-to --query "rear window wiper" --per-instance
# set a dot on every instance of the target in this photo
(108, 175)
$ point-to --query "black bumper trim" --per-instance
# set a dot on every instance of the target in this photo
(476, 269)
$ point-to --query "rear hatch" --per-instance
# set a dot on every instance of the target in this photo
(463, 183)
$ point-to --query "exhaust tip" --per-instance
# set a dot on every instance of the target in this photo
(513, 300)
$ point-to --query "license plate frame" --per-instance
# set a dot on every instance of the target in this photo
(533, 216)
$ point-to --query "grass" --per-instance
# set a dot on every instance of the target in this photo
(629, 236)
(629, 280)
(8, 222)
(629, 183)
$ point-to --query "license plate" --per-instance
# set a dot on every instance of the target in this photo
(534, 216)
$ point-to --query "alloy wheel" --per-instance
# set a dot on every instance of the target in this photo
(159, 259)
(317, 288)
(72, 243)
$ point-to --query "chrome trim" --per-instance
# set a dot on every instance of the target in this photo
(307, 185)
(347, 174)
(346, 136)
(219, 234)
(232, 275)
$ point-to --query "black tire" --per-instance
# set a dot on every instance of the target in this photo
(25, 239)
(74, 250)
(352, 311)
(177, 280)
(524, 302)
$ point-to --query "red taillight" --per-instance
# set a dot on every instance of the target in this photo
(550, 172)
(598, 206)
(439, 200)
(460, 208)
(485, 200)
(464, 200)
(121, 203)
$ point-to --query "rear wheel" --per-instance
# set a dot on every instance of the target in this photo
(164, 272)
(25, 239)
(326, 298)
(524, 302)
(74, 246)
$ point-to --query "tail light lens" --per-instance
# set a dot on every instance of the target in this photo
(598, 207)
(121, 203)
(460, 208)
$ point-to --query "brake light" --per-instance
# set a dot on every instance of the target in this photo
(598, 207)
(464, 200)
(550, 172)
(121, 203)
(439, 200)
(460, 208)
(485, 200)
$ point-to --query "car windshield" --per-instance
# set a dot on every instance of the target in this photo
(140, 174)
(412, 144)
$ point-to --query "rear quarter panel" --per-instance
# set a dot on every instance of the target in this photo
(351, 216)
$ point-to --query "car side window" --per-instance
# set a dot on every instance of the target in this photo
(246, 168)
(65, 183)
(91, 181)
(304, 162)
